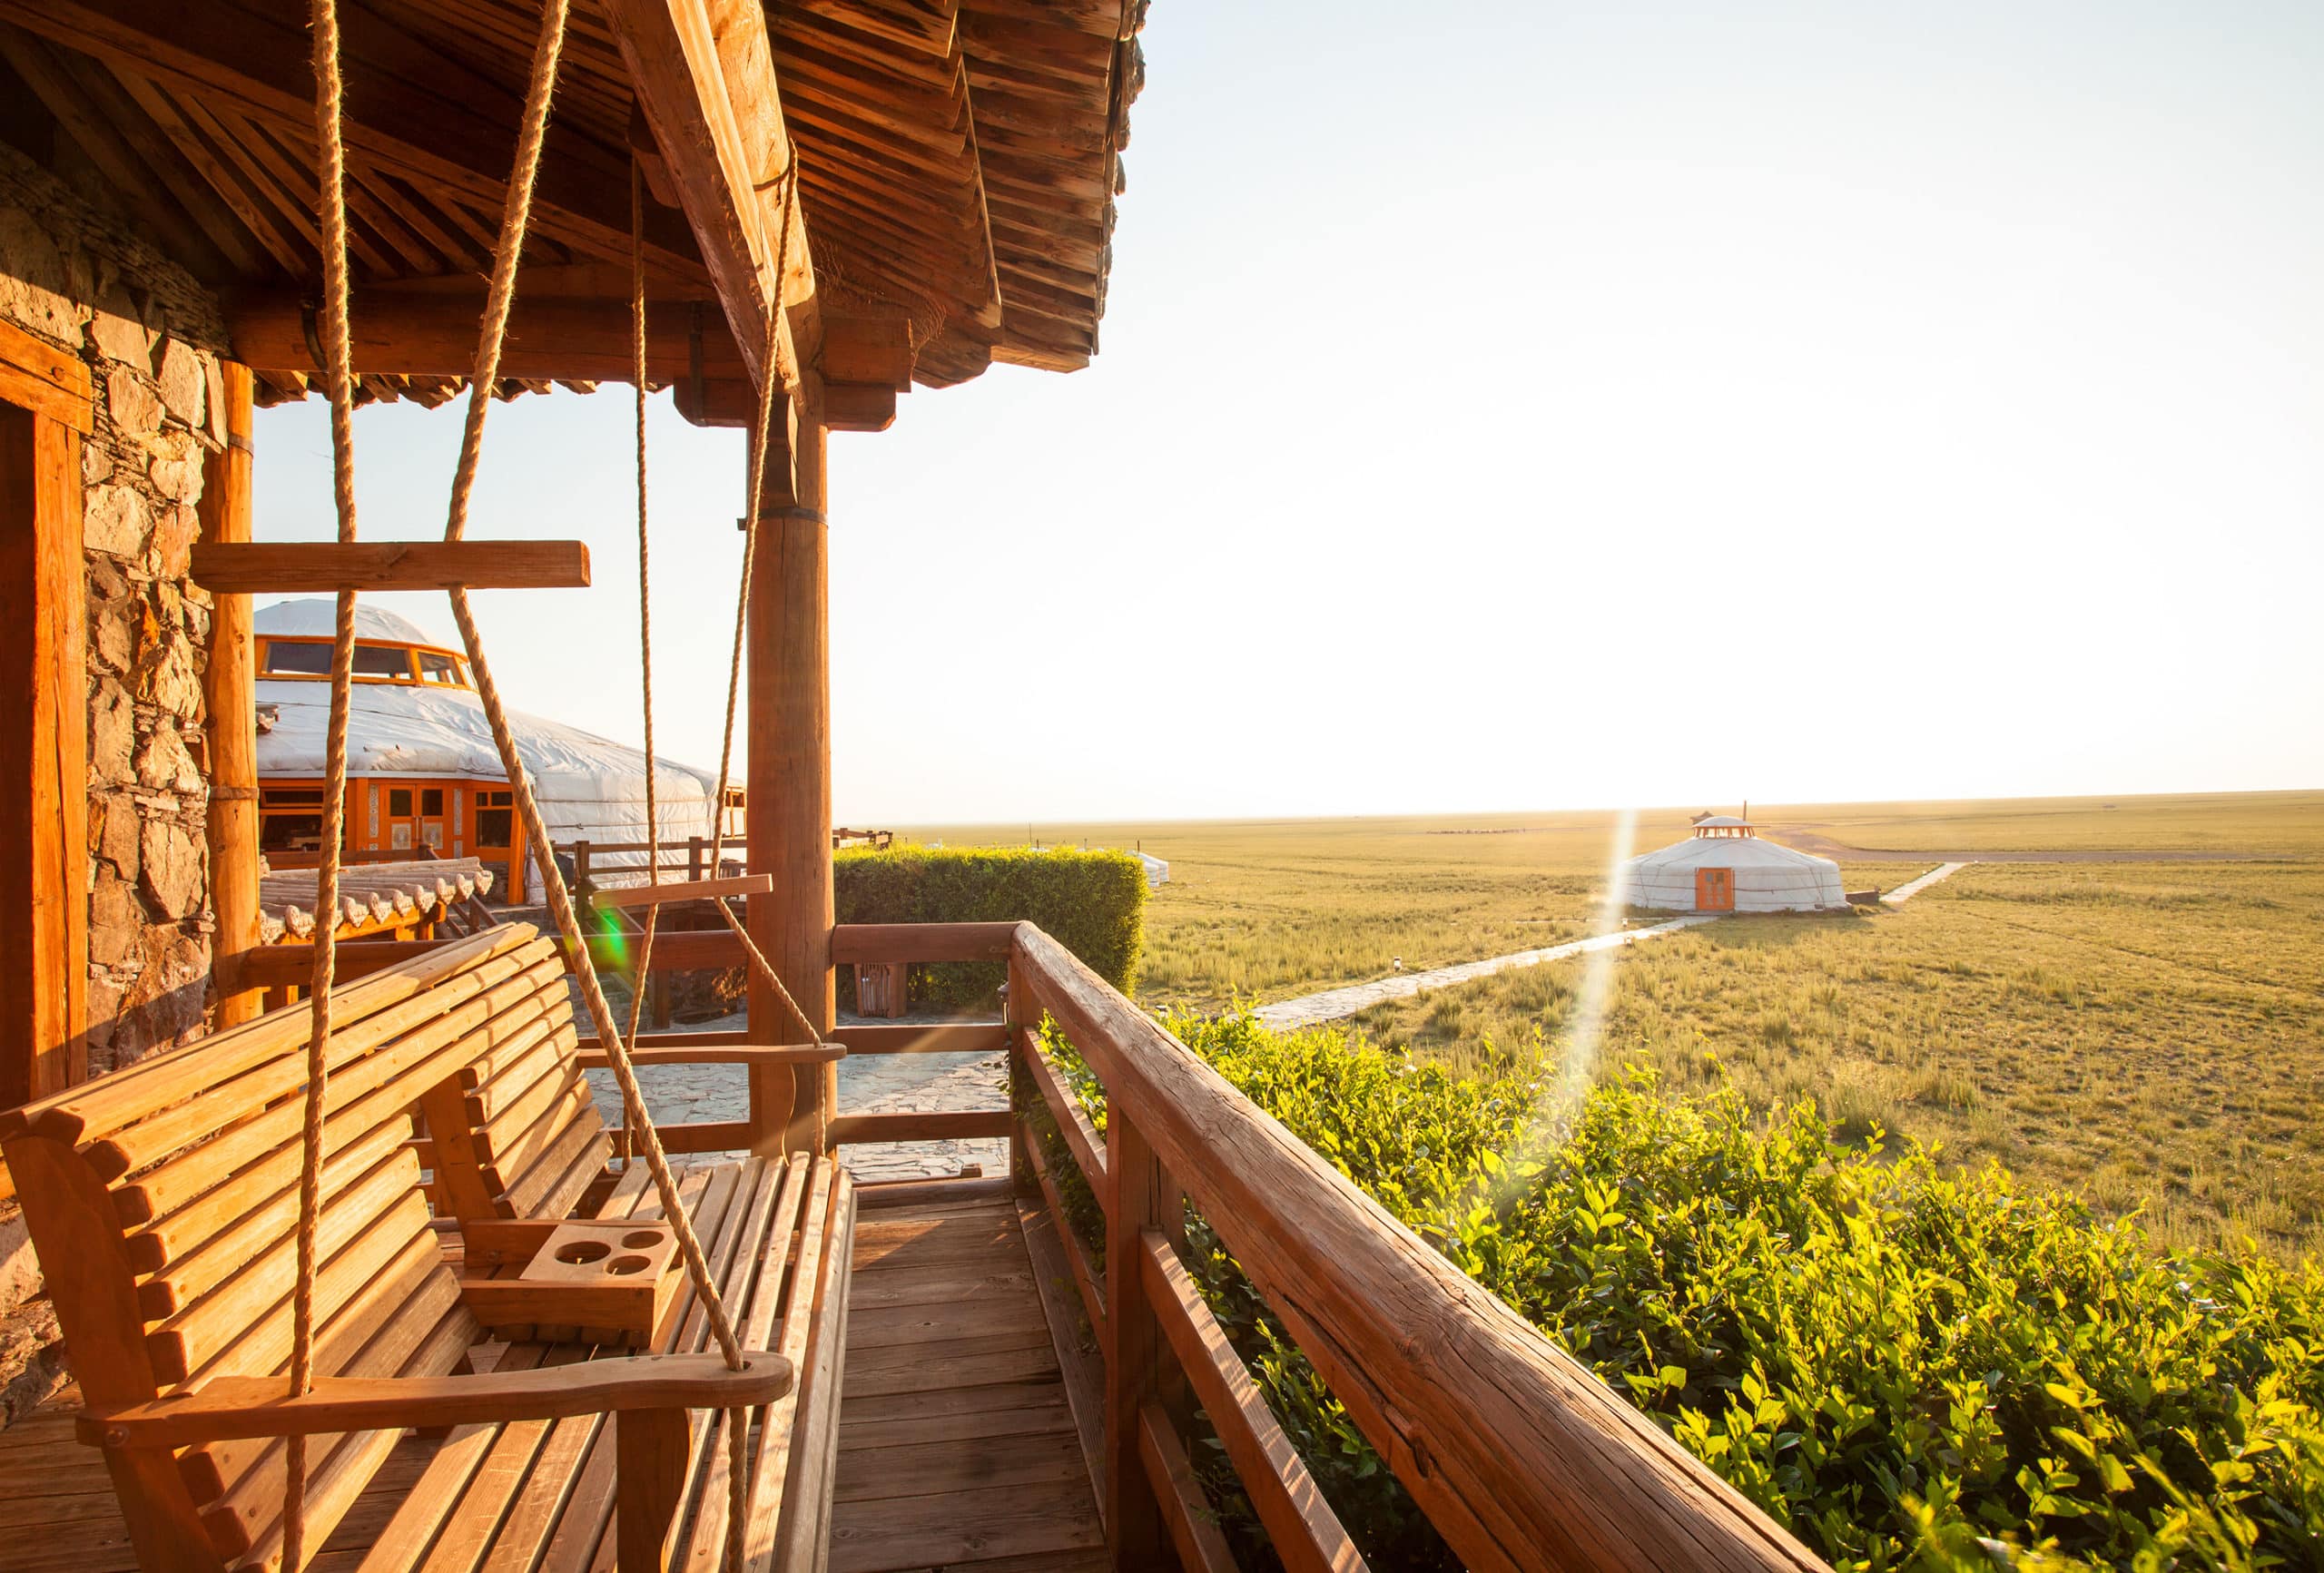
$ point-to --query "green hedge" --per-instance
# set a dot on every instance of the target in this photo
(1092, 904)
(1908, 1365)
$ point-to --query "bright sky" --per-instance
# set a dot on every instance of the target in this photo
(1544, 405)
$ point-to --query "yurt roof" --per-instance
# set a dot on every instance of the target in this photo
(401, 730)
(1722, 821)
(317, 616)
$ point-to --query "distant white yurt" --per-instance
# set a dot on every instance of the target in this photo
(1157, 872)
(1725, 866)
(422, 769)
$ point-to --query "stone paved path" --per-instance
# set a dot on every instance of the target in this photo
(1332, 1004)
(1906, 892)
(868, 1084)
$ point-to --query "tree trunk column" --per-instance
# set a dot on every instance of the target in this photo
(230, 695)
(789, 766)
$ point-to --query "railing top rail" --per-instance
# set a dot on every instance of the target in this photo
(1520, 1457)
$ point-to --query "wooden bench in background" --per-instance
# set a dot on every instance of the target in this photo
(163, 1201)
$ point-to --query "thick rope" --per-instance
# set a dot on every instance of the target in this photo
(645, 597)
(339, 355)
(482, 379)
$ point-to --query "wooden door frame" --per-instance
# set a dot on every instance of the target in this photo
(44, 412)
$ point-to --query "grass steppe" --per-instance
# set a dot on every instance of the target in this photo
(2148, 1034)
(1260, 909)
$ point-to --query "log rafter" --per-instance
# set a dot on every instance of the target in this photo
(403, 122)
(706, 84)
(960, 161)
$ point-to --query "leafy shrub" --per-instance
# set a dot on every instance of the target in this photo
(1092, 904)
(1908, 1366)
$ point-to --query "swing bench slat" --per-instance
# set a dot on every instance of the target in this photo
(270, 567)
(163, 1203)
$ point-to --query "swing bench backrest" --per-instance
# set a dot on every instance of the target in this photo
(163, 1202)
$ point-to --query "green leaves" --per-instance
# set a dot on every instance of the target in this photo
(1910, 1365)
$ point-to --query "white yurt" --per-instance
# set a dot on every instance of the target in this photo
(1725, 866)
(422, 769)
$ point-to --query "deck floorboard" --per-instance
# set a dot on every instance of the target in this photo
(957, 1446)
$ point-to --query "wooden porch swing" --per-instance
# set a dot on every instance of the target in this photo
(165, 1201)
(242, 1248)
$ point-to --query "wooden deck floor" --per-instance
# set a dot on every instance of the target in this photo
(958, 1446)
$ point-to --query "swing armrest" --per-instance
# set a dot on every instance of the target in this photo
(721, 1054)
(259, 1406)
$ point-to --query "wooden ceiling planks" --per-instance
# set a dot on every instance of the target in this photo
(437, 123)
(192, 135)
(1051, 81)
(141, 165)
(894, 192)
(959, 157)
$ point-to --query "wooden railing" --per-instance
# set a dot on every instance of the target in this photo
(1521, 1458)
(851, 943)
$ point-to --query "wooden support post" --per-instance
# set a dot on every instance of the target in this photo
(44, 755)
(789, 773)
(230, 695)
(1142, 1196)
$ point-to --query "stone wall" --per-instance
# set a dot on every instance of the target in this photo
(153, 338)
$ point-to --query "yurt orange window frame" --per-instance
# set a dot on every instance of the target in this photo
(422, 665)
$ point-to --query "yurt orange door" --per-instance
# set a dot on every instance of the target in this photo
(494, 813)
(1714, 890)
(416, 816)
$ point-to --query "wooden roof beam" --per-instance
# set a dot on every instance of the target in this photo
(269, 567)
(704, 79)
(847, 406)
(433, 334)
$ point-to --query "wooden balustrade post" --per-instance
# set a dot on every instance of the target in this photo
(229, 696)
(1024, 1021)
(1141, 1198)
